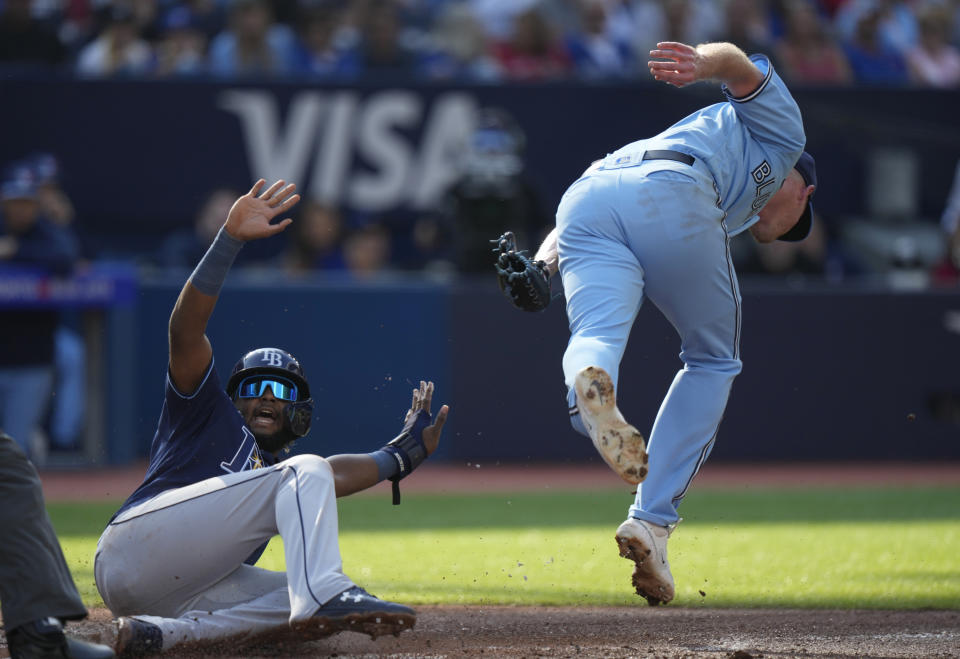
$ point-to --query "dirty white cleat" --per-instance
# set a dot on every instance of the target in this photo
(621, 445)
(646, 545)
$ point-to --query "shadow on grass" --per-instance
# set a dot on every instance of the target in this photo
(702, 507)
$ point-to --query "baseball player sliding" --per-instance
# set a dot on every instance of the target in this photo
(176, 562)
(654, 219)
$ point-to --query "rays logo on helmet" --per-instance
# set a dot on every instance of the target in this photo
(272, 357)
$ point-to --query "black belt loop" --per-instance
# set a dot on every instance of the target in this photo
(665, 154)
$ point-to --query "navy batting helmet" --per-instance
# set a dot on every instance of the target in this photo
(275, 361)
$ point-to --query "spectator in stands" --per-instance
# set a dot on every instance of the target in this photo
(381, 50)
(119, 50)
(27, 343)
(934, 61)
(323, 52)
(829, 8)
(533, 51)
(68, 402)
(459, 48)
(948, 271)
(25, 40)
(807, 52)
(645, 22)
(253, 44)
(953, 7)
(896, 22)
(950, 220)
(748, 25)
(498, 16)
(55, 205)
(595, 50)
(146, 18)
(317, 240)
(72, 22)
(208, 16)
(183, 45)
(366, 251)
(184, 248)
(872, 62)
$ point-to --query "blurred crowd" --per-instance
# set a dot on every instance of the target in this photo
(823, 42)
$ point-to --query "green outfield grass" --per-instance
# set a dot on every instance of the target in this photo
(889, 548)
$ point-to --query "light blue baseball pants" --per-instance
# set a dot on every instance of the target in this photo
(648, 231)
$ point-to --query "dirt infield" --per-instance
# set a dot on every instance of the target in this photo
(471, 631)
(640, 631)
(117, 483)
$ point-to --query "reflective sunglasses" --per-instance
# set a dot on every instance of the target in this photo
(255, 385)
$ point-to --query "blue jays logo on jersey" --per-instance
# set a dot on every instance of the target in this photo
(762, 175)
(247, 455)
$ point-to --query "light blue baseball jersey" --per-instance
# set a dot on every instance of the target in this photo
(748, 144)
(631, 229)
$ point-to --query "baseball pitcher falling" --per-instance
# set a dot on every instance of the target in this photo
(654, 219)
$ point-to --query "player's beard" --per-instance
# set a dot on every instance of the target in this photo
(273, 443)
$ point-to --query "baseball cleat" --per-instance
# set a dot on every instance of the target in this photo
(620, 445)
(136, 638)
(357, 610)
(646, 545)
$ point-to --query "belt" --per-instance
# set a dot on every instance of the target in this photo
(666, 154)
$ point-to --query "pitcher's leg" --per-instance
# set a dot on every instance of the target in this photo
(701, 298)
(681, 440)
(603, 284)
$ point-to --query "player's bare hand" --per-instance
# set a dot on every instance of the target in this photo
(422, 399)
(251, 215)
(682, 66)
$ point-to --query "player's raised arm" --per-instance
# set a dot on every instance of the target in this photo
(248, 219)
(724, 62)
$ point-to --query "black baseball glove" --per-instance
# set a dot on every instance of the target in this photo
(525, 282)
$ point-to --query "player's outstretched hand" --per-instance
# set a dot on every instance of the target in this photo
(251, 214)
(422, 398)
(682, 66)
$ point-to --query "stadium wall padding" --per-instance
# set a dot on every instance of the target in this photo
(829, 373)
